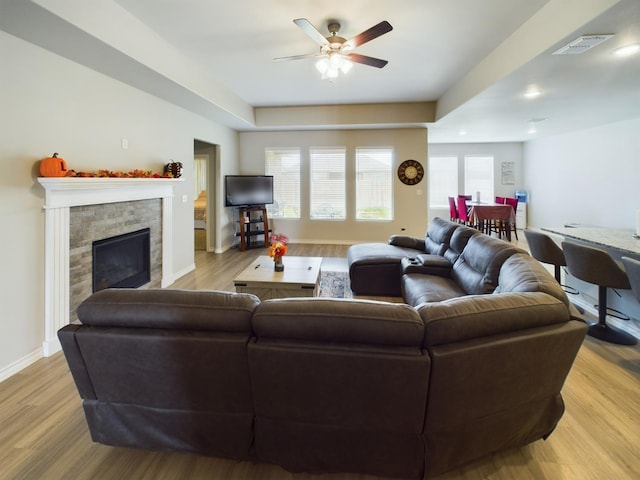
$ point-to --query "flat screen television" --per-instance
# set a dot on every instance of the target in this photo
(247, 190)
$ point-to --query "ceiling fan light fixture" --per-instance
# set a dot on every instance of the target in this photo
(335, 60)
(322, 65)
(346, 66)
(336, 51)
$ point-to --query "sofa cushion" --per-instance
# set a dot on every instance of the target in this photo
(339, 321)
(458, 241)
(438, 236)
(418, 288)
(165, 308)
(523, 273)
(475, 316)
(476, 270)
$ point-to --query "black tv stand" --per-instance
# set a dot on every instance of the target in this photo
(252, 228)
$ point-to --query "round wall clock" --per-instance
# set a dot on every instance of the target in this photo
(410, 172)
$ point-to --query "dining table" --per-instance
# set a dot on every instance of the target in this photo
(486, 214)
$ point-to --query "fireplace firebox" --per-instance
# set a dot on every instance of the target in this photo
(122, 261)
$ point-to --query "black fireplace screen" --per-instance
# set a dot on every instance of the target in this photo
(122, 261)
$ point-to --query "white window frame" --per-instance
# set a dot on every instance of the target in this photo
(284, 164)
(327, 183)
(443, 180)
(374, 183)
(479, 177)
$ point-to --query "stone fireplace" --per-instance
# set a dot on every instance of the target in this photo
(79, 211)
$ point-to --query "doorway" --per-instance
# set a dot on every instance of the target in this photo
(205, 159)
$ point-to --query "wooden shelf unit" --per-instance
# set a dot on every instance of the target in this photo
(247, 220)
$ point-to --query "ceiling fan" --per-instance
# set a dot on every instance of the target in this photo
(336, 53)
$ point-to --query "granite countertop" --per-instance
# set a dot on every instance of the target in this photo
(621, 239)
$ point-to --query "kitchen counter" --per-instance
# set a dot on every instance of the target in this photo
(620, 239)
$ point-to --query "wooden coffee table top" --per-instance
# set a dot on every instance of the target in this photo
(297, 270)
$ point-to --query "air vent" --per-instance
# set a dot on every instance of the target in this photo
(582, 44)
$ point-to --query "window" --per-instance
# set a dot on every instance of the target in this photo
(443, 180)
(478, 177)
(374, 184)
(327, 167)
(284, 165)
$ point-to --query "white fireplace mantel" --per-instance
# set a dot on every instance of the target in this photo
(62, 193)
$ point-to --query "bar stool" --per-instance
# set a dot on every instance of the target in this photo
(633, 273)
(596, 266)
(545, 250)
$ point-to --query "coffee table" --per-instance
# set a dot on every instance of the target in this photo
(300, 278)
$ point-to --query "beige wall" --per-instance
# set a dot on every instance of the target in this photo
(50, 104)
(410, 207)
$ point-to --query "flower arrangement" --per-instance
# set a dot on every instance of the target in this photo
(278, 249)
(278, 238)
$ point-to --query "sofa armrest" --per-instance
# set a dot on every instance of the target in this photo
(67, 337)
(407, 242)
(427, 264)
(465, 318)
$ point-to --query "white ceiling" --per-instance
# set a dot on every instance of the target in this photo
(474, 58)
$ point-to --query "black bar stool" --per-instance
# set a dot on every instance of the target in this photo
(545, 250)
(596, 266)
(633, 273)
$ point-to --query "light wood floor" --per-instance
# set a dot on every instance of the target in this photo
(43, 434)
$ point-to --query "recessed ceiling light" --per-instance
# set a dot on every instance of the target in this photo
(532, 93)
(627, 50)
(462, 132)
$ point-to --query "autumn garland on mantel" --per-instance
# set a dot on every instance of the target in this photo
(137, 173)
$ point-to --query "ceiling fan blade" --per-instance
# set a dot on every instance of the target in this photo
(364, 59)
(298, 57)
(370, 34)
(310, 30)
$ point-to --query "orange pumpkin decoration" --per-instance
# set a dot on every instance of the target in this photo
(53, 166)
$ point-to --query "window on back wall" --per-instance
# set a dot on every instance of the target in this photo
(443, 180)
(284, 165)
(327, 167)
(374, 184)
(478, 177)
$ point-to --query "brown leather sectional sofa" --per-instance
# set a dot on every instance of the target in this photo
(328, 385)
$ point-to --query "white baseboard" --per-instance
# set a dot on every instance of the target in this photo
(20, 364)
(181, 273)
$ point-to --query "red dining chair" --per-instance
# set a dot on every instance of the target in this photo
(463, 211)
(453, 210)
(497, 226)
(514, 203)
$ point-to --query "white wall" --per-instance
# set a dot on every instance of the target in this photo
(502, 152)
(588, 177)
(410, 208)
(49, 104)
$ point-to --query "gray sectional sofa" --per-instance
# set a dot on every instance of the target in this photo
(329, 385)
